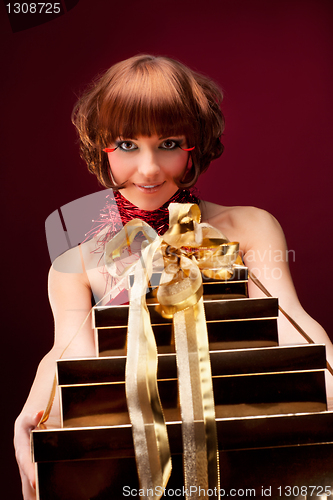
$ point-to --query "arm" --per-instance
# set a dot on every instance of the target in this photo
(70, 298)
(266, 255)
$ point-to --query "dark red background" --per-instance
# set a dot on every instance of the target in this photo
(274, 60)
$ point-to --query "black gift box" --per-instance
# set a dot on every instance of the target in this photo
(271, 414)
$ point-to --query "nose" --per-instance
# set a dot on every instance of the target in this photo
(148, 165)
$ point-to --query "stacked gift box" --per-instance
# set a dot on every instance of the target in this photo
(274, 430)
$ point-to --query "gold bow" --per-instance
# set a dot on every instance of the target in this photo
(188, 248)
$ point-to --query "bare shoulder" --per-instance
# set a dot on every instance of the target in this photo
(67, 287)
(245, 224)
(79, 271)
(236, 214)
(67, 276)
(77, 259)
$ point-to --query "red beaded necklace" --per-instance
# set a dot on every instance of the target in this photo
(157, 219)
(118, 211)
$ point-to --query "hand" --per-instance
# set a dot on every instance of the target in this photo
(23, 426)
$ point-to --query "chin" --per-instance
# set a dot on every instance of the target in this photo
(147, 201)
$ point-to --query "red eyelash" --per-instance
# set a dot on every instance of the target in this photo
(188, 149)
(109, 150)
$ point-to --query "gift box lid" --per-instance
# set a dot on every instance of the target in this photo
(53, 444)
(223, 362)
(215, 310)
(235, 395)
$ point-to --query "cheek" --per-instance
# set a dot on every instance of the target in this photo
(180, 166)
(118, 169)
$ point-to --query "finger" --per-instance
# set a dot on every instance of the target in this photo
(29, 493)
(29, 421)
(38, 416)
(28, 488)
(26, 466)
(23, 447)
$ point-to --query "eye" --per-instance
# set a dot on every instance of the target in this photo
(126, 145)
(170, 144)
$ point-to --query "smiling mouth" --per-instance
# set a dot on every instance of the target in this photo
(150, 188)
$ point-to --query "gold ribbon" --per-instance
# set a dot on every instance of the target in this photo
(150, 437)
(188, 248)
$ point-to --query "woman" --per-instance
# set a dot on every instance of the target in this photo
(148, 128)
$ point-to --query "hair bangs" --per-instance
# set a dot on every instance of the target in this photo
(150, 103)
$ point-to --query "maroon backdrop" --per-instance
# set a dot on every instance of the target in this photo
(274, 61)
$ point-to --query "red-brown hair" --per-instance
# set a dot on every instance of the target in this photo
(147, 95)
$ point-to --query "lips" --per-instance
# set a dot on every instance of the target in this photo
(149, 188)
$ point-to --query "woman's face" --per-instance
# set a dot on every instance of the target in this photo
(149, 166)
